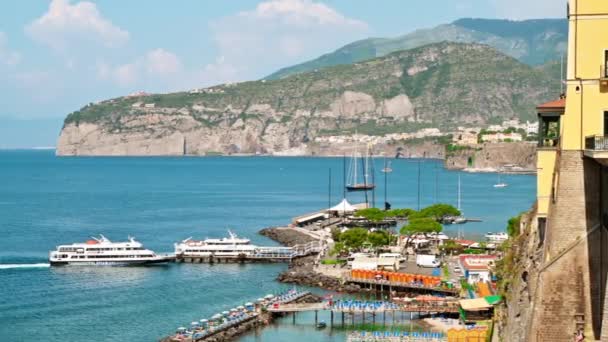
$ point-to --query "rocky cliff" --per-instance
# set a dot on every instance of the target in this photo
(441, 85)
(493, 157)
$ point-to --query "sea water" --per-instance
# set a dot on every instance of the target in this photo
(46, 201)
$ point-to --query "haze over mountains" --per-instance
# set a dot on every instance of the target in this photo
(533, 42)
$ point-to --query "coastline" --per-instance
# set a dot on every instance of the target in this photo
(301, 270)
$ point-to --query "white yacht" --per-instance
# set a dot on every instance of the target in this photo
(497, 237)
(102, 251)
(232, 246)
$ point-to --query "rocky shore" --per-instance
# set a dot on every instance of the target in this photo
(301, 270)
(497, 157)
(286, 236)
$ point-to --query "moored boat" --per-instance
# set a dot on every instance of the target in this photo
(497, 237)
(232, 246)
(102, 251)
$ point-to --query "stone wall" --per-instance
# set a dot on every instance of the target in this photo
(568, 294)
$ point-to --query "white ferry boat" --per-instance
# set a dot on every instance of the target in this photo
(102, 251)
(497, 237)
(232, 246)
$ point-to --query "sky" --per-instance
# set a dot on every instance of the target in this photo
(59, 55)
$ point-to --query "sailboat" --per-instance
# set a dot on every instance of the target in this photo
(500, 184)
(366, 172)
(387, 166)
(460, 219)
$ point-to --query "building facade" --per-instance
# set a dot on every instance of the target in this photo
(572, 189)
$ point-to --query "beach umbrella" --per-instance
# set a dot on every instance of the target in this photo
(269, 296)
(259, 300)
(181, 329)
(242, 307)
(225, 313)
(194, 323)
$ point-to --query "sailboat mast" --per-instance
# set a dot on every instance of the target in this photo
(329, 190)
(373, 174)
(344, 176)
(385, 182)
(364, 181)
(354, 182)
(458, 191)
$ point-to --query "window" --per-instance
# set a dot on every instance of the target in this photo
(605, 67)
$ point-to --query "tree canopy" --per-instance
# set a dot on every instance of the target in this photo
(513, 225)
(439, 211)
(354, 237)
(379, 238)
(421, 225)
(372, 214)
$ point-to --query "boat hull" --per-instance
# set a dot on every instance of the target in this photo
(353, 188)
(112, 263)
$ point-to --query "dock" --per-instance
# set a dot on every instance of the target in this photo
(390, 285)
(227, 325)
(260, 254)
(368, 311)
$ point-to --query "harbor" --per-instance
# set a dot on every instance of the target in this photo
(199, 290)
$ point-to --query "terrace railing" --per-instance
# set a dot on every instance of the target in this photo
(596, 143)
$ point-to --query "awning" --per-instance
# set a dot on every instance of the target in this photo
(313, 217)
(477, 304)
(343, 207)
(493, 300)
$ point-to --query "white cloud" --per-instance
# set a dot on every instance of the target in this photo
(7, 56)
(154, 65)
(278, 33)
(162, 62)
(526, 9)
(67, 25)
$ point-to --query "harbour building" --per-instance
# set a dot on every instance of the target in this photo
(572, 189)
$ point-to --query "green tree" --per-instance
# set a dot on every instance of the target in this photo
(372, 214)
(335, 234)
(451, 247)
(400, 213)
(439, 211)
(354, 238)
(513, 225)
(339, 248)
(379, 238)
(421, 225)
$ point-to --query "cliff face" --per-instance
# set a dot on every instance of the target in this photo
(494, 156)
(520, 269)
(441, 85)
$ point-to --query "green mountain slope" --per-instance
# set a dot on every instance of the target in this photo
(441, 85)
(533, 42)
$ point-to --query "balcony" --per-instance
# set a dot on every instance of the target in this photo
(596, 146)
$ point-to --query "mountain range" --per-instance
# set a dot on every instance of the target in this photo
(534, 42)
(438, 85)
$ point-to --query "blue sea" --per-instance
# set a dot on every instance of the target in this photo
(46, 201)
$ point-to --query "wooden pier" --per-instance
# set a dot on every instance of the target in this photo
(348, 314)
(393, 285)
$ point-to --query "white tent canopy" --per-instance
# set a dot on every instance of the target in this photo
(343, 207)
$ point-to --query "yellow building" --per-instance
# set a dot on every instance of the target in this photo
(572, 189)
